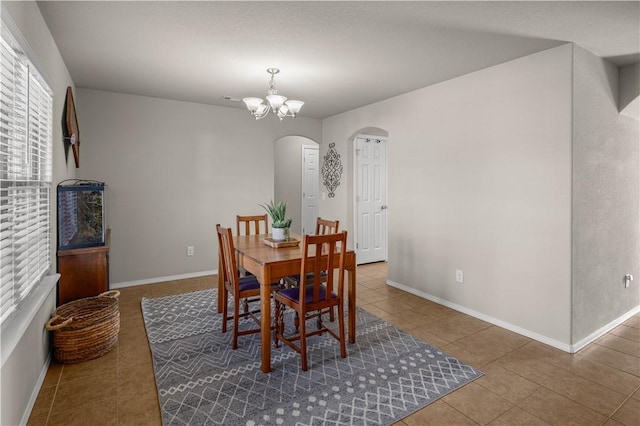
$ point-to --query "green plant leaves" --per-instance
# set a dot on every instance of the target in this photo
(278, 212)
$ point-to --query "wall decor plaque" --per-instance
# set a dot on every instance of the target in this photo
(331, 170)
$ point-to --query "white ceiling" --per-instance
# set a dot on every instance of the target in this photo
(335, 56)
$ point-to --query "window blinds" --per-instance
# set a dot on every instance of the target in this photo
(25, 176)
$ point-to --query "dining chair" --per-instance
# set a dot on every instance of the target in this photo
(323, 227)
(241, 289)
(245, 222)
(243, 227)
(309, 300)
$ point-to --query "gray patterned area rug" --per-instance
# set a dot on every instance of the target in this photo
(387, 375)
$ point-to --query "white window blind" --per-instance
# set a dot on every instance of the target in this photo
(25, 176)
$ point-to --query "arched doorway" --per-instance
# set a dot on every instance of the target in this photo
(296, 179)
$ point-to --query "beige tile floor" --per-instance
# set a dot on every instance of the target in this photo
(525, 382)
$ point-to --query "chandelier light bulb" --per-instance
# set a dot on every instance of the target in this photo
(252, 104)
(294, 106)
(263, 109)
(276, 101)
(282, 112)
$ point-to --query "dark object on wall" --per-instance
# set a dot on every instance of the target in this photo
(66, 140)
(331, 170)
(70, 129)
(81, 214)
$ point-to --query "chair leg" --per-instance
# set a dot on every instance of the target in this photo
(278, 320)
(236, 308)
(225, 309)
(319, 325)
(343, 345)
(332, 318)
(303, 344)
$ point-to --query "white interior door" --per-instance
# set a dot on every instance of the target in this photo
(310, 188)
(371, 199)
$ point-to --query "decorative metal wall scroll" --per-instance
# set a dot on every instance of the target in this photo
(331, 170)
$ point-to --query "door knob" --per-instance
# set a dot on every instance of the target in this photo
(384, 207)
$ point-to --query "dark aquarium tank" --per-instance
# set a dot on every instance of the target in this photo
(81, 214)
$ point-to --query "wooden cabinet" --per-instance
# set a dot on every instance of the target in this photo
(84, 272)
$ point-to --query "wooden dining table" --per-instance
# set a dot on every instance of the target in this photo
(270, 265)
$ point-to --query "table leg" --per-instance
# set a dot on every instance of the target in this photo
(220, 285)
(351, 276)
(265, 322)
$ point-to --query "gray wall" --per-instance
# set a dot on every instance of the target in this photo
(629, 90)
(22, 372)
(524, 176)
(606, 192)
(173, 170)
(479, 180)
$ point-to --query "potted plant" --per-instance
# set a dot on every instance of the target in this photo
(280, 224)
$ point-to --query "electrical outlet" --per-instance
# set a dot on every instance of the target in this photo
(459, 276)
(189, 250)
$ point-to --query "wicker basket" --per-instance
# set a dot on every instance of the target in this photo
(86, 328)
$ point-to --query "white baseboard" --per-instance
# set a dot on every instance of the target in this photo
(163, 279)
(36, 391)
(604, 330)
(517, 329)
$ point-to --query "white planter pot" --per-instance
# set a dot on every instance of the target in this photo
(280, 234)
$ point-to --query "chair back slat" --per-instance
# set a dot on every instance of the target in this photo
(243, 224)
(322, 249)
(325, 226)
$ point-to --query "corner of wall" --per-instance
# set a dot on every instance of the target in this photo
(605, 230)
(629, 91)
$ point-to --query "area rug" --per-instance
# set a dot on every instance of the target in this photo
(387, 375)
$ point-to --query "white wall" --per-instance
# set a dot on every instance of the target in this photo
(173, 170)
(23, 370)
(479, 180)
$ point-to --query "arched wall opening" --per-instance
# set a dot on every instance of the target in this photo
(349, 176)
(287, 185)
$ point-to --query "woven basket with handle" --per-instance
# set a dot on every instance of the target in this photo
(86, 328)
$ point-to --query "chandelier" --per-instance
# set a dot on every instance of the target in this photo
(278, 104)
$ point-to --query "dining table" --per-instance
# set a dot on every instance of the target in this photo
(270, 265)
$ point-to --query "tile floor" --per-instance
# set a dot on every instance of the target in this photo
(525, 382)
